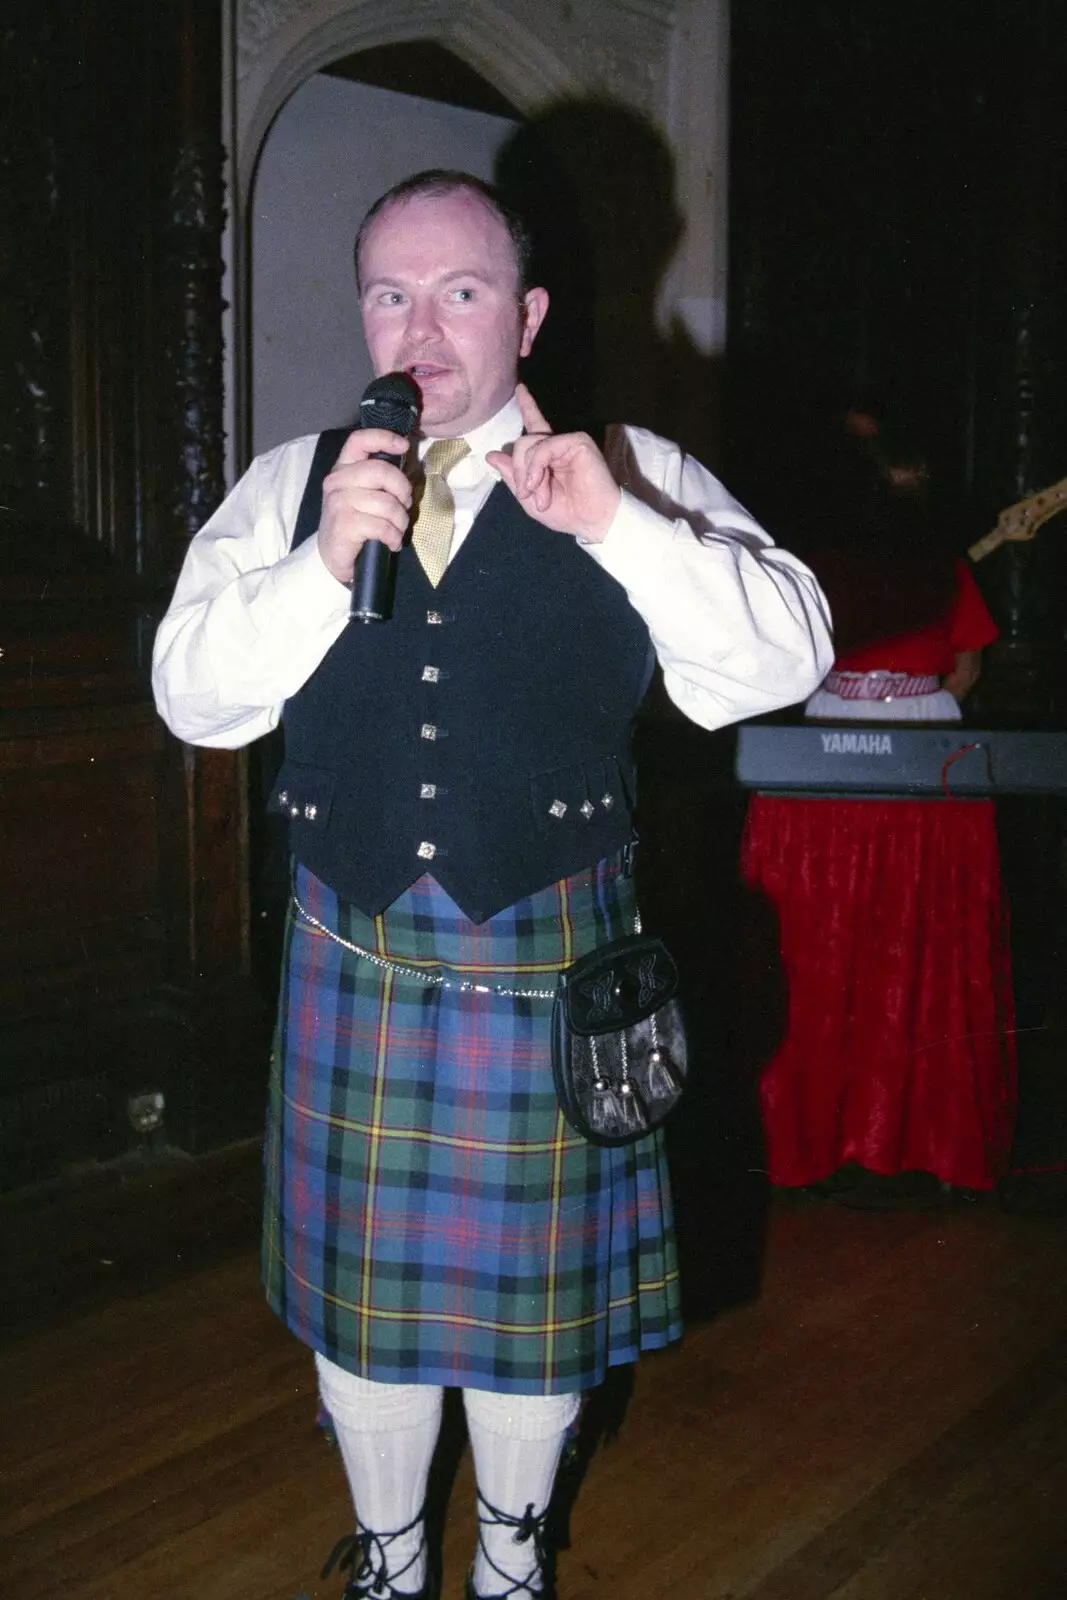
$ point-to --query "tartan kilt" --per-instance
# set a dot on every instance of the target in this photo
(429, 1216)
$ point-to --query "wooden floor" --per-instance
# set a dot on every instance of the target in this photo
(885, 1420)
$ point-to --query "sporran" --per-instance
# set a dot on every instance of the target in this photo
(619, 1056)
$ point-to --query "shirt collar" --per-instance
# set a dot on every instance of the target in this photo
(501, 430)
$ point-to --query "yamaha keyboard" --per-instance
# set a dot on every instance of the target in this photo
(893, 759)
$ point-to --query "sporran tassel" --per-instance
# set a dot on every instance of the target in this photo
(662, 1078)
(635, 1112)
(606, 1115)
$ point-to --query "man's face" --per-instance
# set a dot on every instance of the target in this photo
(440, 301)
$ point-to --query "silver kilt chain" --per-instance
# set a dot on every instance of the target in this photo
(433, 980)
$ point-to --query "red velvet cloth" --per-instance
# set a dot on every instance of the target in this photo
(898, 1050)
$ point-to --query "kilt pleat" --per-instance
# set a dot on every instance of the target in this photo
(429, 1215)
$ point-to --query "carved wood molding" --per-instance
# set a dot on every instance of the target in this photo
(33, 287)
(191, 383)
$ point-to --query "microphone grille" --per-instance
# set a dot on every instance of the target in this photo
(392, 402)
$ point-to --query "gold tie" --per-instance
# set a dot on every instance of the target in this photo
(431, 536)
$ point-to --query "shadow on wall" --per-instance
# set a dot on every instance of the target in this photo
(596, 182)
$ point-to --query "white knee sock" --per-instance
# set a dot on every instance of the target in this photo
(386, 1433)
(517, 1441)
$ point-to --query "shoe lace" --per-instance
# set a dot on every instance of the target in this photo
(366, 1555)
(527, 1528)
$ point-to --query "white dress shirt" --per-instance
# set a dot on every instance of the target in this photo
(739, 626)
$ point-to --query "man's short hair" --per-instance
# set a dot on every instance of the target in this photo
(435, 183)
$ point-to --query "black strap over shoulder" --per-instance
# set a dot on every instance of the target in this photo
(327, 449)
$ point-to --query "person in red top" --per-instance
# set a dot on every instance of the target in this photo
(939, 663)
(897, 1049)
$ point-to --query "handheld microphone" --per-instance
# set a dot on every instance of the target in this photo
(389, 402)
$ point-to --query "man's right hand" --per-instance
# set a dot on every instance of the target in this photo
(363, 499)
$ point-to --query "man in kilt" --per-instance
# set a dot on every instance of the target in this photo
(458, 783)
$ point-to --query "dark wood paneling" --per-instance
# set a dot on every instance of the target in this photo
(80, 917)
(898, 185)
(124, 919)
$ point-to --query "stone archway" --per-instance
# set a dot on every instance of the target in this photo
(660, 61)
(281, 42)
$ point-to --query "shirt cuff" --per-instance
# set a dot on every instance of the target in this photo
(312, 595)
(636, 542)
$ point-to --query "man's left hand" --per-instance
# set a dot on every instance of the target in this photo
(559, 479)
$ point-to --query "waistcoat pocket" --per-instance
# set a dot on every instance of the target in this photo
(577, 797)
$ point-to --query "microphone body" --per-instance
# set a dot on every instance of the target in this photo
(389, 402)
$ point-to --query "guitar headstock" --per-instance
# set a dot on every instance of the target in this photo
(1022, 520)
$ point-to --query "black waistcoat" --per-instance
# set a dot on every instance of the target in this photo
(481, 735)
